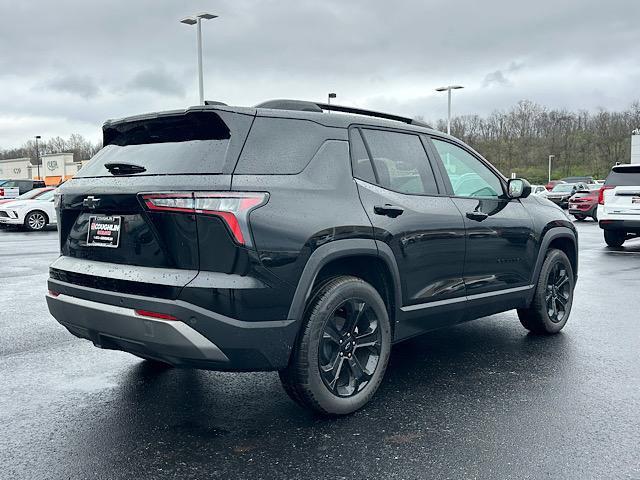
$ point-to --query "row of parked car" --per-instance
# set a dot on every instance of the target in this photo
(27, 204)
(614, 203)
(577, 194)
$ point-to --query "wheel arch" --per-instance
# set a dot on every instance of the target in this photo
(37, 210)
(371, 260)
(561, 238)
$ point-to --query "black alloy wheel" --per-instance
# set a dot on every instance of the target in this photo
(553, 297)
(343, 347)
(349, 350)
(558, 292)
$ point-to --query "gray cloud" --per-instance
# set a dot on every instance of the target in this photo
(82, 85)
(573, 54)
(496, 77)
(156, 80)
(501, 77)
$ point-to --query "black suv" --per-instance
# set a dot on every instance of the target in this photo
(282, 237)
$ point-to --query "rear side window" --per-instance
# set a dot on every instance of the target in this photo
(400, 162)
(192, 143)
(360, 161)
(281, 146)
(624, 177)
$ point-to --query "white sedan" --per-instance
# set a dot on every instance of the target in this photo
(32, 214)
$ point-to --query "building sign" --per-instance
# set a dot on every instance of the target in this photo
(52, 165)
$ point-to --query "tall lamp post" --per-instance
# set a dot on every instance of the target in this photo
(197, 20)
(38, 137)
(448, 90)
(550, 158)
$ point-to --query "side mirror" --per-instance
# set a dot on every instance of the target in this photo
(518, 188)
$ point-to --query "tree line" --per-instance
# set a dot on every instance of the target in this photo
(81, 148)
(518, 140)
(521, 139)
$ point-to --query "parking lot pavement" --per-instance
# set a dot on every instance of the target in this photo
(479, 400)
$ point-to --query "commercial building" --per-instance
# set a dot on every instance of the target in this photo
(55, 168)
(635, 146)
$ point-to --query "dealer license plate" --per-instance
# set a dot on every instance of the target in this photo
(104, 232)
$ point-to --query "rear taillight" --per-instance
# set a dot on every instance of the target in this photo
(170, 202)
(601, 193)
(232, 207)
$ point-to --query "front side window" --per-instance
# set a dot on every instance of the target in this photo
(400, 162)
(469, 177)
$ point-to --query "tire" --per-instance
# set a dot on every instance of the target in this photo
(579, 216)
(346, 325)
(36, 221)
(614, 238)
(548, 314)
(595, 215)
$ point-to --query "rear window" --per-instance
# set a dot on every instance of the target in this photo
(624, 177)
(192, 143)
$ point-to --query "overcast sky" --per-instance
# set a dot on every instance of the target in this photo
(67, 65)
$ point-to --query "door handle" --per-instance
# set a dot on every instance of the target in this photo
(478, 216)
(388, 210)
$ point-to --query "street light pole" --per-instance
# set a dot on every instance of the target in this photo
(550, 157)
(329, 97)
(448, 90)
(38, 137)
(200, 74)
(197, 21)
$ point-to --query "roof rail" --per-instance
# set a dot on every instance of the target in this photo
(307, 106)
(215, 102)
(371, 113)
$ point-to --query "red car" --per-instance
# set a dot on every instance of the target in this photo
(549, 186)
(30, 195)
(584, 203)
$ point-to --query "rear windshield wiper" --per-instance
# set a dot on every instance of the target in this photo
(124, 168)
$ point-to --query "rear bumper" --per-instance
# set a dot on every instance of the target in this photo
(121, 328)
(199, 339)
(584, 209)
(629, 226)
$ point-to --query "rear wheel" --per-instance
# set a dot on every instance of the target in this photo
(35, 221)
(614, 238)
(580, 217)
(595, 215)
(552, 300)
(340, 358)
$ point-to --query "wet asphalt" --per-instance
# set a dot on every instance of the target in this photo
(479, 400)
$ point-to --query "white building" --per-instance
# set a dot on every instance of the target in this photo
(635, 146)
(55, 168)
(15, 169)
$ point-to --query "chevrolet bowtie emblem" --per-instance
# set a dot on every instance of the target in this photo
(91, 202)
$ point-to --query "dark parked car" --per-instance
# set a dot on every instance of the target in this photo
(584, 203)
(23, 186)
(563, 191)
(552, 183)
(587, 180)
(283, 238)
